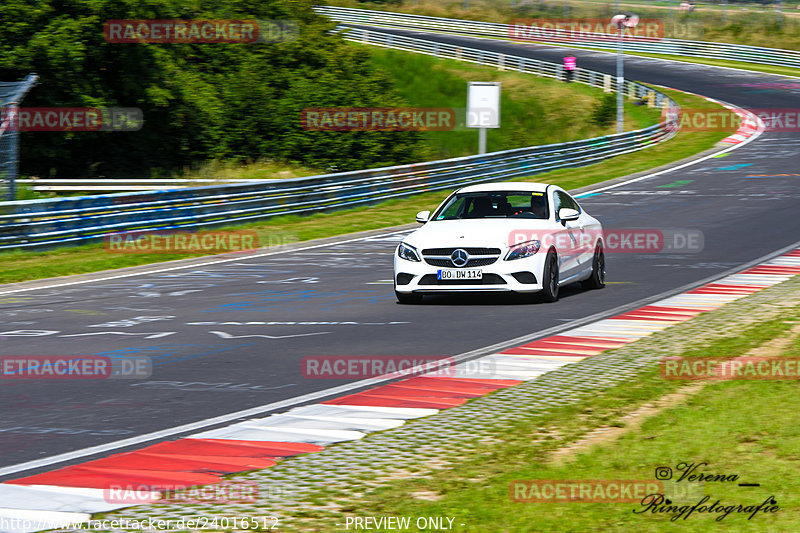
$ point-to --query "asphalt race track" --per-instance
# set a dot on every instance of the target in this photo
(230, 336)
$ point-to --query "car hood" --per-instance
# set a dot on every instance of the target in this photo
(487, 232)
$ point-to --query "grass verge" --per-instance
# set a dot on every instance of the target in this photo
(742, 428)
(533, 110)
(16, 266)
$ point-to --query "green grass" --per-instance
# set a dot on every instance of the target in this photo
(533, 110)
(747, 428)
(18, 266)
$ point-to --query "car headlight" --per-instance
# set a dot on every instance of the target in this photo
(409, 253)
(522, 250)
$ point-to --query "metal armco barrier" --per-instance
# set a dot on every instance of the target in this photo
(676, 47)
(101, 185)
(36, 223)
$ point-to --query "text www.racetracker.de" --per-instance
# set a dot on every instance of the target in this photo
(149, 524)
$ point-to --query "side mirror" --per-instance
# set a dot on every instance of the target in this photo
(423, 216)
(566, 214)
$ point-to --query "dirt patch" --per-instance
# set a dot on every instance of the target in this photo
(427, 495)
(633, 420)
(776, 346)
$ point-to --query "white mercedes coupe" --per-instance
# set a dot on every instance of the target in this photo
(528, 238)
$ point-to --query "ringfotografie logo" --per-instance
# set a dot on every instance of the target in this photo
(693, 473)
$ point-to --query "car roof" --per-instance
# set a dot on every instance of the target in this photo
(527, 186)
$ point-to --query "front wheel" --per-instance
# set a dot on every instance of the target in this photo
(550, 279)
(598, 278)
(408, 297)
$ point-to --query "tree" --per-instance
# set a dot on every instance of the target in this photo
(199, 101)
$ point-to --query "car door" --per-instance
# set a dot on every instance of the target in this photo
(567, 237)
(587, 232)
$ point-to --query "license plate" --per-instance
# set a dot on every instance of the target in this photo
(460, 274)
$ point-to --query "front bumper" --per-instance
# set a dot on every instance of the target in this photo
(520, 275)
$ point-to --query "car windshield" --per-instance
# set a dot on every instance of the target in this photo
(495, 204)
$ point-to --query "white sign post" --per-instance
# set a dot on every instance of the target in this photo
(622, 22)
(483, 109)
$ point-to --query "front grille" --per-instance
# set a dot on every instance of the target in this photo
(470, 251)
(483, 261)
(488, 279)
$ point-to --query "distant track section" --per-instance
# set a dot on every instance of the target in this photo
(675, 47)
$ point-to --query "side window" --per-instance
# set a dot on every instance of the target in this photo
(563, 200)
(570, 202)
(556, 203)
(451, 211)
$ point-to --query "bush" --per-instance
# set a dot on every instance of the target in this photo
(605, 111)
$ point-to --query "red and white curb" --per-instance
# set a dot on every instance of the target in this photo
(70, 495)
(751, 125)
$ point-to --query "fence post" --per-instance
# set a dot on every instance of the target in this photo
(9, 132)
(607, 83)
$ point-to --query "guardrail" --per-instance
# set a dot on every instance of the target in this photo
(676, 47)
(120, 185)
(36, 223)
